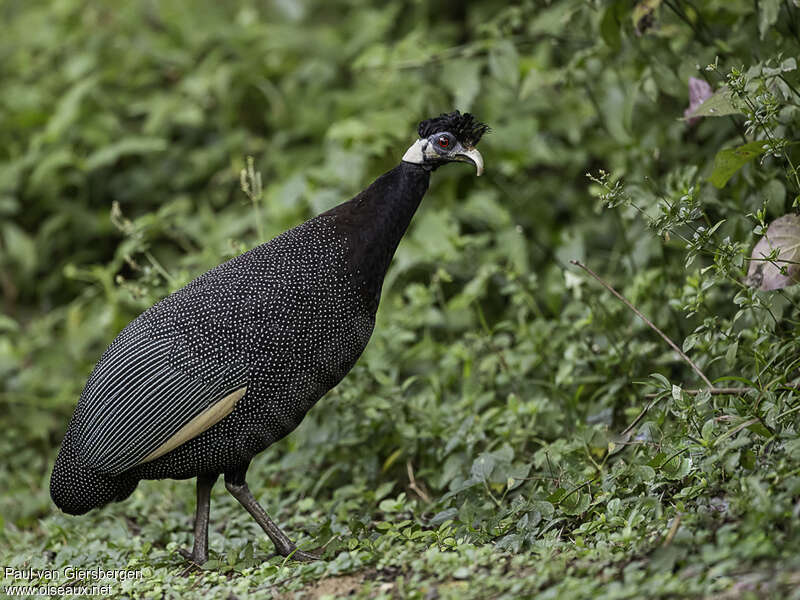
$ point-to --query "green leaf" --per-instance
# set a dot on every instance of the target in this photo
(718, 105)
(576, 503)
(108, 155)
(383, 490)
(19, 248)
(728, 161)
(665, 384)
(482, 466)
(462, 78)
(643, 473)
(707, 432)
(676, 468)
(544, 507)
(759, 429)
(557, 495)
(730, 354)
(610, 28)
(390, 460)
(8, 324)
(69, 108)
(767, 15)
(504, 64)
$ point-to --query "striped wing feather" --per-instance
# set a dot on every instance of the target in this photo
(137, 406)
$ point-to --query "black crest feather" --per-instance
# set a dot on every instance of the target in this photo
(467, 129)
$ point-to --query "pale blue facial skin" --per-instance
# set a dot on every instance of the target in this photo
(441, 148)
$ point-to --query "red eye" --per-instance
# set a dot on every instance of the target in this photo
(444, 142)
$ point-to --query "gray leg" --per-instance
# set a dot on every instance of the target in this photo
(199, 553)
(237, 486)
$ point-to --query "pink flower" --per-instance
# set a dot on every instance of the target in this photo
(699, 92)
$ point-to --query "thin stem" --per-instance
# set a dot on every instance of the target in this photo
(768, 133)
(158, 267)
(646, 320)
(792, 23)
(737, 429)
(676, 523)
(412, 483)
(789, 85)
(683, 17)
(724, 391)
(579, 487)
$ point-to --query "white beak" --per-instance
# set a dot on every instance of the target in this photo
(471, 155)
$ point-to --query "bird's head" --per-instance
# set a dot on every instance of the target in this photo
(450, 137)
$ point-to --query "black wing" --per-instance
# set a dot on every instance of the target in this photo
(136, 401)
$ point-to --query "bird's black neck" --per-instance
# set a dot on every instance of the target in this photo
(376, 219)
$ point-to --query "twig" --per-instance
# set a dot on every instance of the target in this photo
(629, 429)
(578, 487)
(646, 320)
(713, 391)
(676, 523)
(724, 391)
(412, 484)
(325, 545)
(736, 429)
(624, 438)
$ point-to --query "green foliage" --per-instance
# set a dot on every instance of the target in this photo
(512, 428)
(728, 162)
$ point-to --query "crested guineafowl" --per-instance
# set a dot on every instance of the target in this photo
(210, 376)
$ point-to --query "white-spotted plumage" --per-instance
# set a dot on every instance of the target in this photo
(286, 319)
(203, 381)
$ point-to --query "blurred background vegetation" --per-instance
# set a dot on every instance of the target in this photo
(478, 439)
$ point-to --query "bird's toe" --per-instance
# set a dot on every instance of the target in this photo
(303, 556)
(191, 557)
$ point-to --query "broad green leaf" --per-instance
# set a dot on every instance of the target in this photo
(665, 384)
(730, 355)
(108, 155)
(719, 105)
(728, 161)
(69, 108)
(544, 507)
(8, 324)
(610, 26)
(676, 468)
(462, 78)
(19, 248)
(557, 495)
(643, 473)
(504, 64)
(767, 15)
(576, 503)
(482, 466)
(707, 431)
(758, 428)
